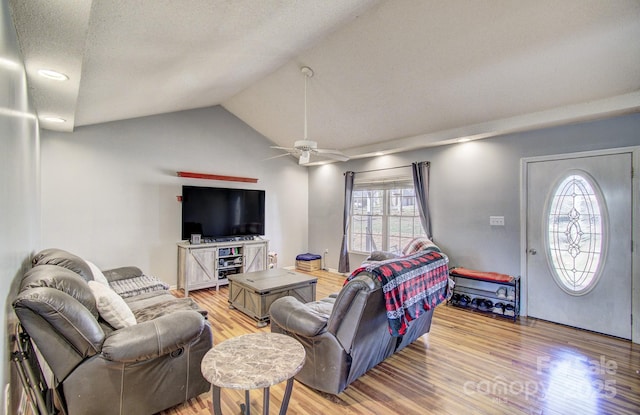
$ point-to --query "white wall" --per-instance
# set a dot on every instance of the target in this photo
(19, 208)
(109, 190)
(469, 183)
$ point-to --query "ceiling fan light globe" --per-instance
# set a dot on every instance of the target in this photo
(304, 157)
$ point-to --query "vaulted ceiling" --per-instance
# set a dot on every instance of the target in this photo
(388, 75)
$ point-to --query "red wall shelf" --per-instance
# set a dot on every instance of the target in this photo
(193, 175)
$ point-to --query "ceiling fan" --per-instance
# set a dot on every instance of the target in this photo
(303, 149)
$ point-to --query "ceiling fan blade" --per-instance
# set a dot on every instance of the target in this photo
(289, 149)
(328, 151)
(278, 156)
(338, 157)
(333, 154)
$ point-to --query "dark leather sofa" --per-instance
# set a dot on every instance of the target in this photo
(98, 369)
(343, 335)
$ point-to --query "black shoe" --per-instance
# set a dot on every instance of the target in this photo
(485, 305)
(509, 310)
(464, 300)
(455, 299)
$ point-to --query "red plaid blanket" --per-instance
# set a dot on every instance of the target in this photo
(412, 285)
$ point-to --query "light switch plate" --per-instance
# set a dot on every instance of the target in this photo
(496, 220)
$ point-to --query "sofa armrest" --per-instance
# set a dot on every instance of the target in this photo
(153, 338)
(122, 273)
(296, 317)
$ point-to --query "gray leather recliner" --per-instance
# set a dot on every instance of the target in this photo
(345, 335)
(99, 370)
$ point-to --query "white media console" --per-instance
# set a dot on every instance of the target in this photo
(208, 264)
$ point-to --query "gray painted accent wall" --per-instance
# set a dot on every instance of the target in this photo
(469, 182)
(109, 190)
(19, 189)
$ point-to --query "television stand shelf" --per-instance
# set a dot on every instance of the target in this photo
(207, 265)
(486, 292)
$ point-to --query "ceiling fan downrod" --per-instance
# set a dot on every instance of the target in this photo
(308, 73)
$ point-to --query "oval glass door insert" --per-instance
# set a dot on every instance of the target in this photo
(576, 233)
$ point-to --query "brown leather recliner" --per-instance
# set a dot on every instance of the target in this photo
(345, 335)
(141, 369)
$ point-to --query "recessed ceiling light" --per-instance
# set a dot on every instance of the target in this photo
(51, 74)
(53, 119)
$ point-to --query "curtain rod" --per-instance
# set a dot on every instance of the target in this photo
(387, 168)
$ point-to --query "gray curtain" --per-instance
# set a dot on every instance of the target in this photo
(343, 265)
(421, 185)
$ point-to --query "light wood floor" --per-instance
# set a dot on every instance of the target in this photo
(468, 364)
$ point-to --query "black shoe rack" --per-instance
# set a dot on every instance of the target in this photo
(497, 298)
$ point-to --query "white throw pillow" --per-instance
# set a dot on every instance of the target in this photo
(111, 306)
(98, 276)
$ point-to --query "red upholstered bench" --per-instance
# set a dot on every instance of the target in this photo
(482, 275)
(489, 292)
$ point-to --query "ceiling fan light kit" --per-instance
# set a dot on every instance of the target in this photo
(303, 149)
(304, 157)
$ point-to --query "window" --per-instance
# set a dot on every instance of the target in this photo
(384, 216)
(575, 232)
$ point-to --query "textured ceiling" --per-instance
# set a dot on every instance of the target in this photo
(389, 75)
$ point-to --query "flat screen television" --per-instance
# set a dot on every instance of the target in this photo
(219, 213)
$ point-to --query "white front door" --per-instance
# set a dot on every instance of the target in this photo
(579, 239)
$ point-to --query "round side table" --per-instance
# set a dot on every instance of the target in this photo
(253, 361)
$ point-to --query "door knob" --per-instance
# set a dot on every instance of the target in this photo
(533, 251)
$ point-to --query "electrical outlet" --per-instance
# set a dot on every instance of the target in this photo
(326, 250)
(496, 220)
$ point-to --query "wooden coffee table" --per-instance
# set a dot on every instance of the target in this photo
(253, 292)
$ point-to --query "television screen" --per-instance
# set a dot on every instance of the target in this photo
(216, 212)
